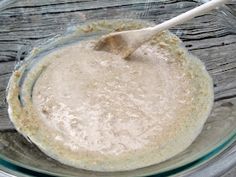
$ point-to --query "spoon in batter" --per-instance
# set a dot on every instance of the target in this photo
(126, 42)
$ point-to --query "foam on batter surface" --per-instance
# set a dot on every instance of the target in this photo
(94, 110)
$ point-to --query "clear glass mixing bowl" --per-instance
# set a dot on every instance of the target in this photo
(211, 37)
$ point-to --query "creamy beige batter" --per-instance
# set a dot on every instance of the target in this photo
(94, 110)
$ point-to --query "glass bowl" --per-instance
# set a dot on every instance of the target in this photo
(211, 37)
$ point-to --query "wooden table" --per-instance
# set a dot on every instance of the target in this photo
(25, 23)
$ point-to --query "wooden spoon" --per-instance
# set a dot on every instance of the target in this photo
(126, 42)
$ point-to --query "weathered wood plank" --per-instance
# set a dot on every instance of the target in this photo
(4, 120)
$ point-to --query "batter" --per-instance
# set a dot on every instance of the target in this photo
(94, 110)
